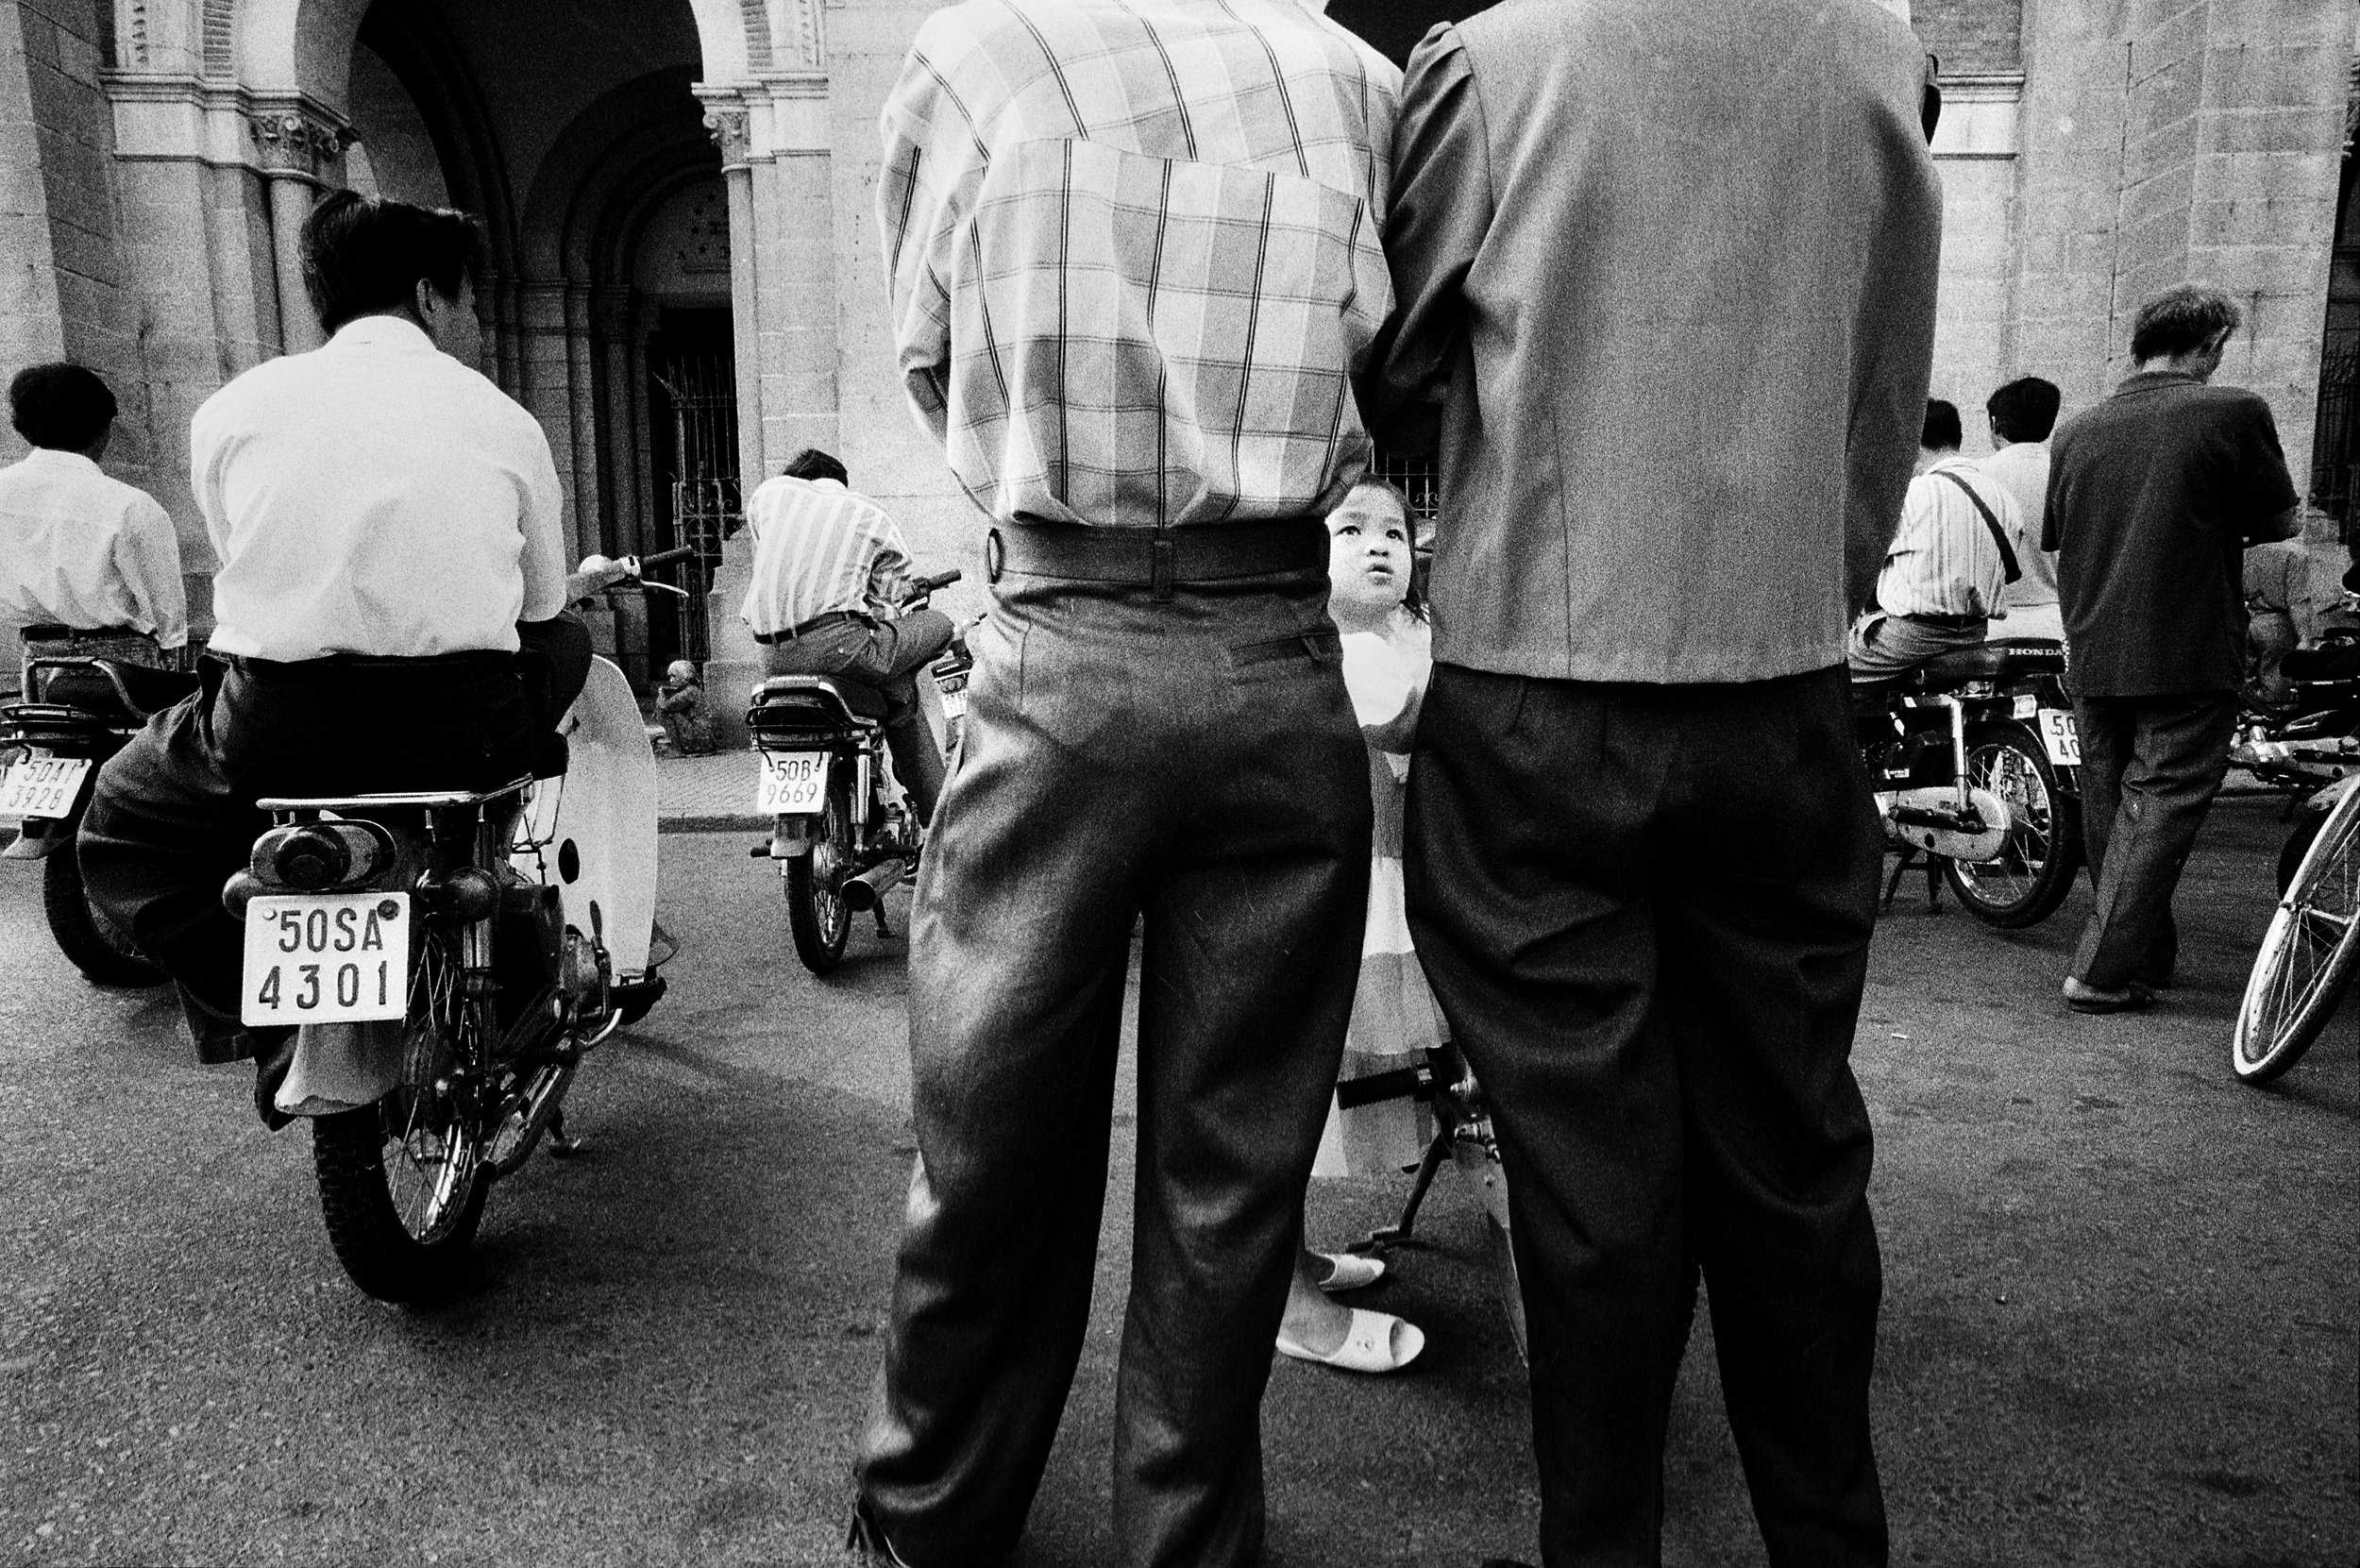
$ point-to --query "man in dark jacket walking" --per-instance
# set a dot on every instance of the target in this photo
(2154, 496)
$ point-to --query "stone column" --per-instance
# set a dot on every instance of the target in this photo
(733, 660)
(300, 147)
(547, 392)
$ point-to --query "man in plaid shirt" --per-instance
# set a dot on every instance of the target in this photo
(1135, 265)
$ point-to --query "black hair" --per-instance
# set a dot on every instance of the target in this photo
(2181, 319)
(813, 463)
(1413, 597)
(2024, 410)
(364, 254)
(62, 407)
(1942, 431)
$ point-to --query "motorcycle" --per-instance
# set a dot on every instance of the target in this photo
(1462, 1136)
(844, 834)
(1975, 763)
(2308, 746)
(449, 958)
(86, 708)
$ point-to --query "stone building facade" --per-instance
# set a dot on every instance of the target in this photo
(685, 284)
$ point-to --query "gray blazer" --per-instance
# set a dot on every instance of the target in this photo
(1665, 273)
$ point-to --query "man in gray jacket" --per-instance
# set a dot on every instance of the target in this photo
(1666, 280)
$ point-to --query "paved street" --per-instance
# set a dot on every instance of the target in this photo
(2123, 1290)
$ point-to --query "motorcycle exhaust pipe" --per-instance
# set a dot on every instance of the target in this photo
(868, 890)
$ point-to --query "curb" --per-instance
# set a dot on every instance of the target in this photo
(713, 825)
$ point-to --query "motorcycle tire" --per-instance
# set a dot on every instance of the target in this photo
(2306, 828)
(817, 918)
(87, 942)
(2033, 875)
(403, 1232)
(377, 1251)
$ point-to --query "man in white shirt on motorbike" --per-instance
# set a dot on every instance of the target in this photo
(1948, 565)
(388, 527)
(90, 567)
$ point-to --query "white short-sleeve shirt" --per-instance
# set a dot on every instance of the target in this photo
(79, 548)
(375, 496)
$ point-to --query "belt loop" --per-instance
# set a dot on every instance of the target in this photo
(995, 555)
(1165, 557)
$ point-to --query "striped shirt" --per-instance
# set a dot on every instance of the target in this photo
(820, 547)
(1944, 560)
(1134, 254)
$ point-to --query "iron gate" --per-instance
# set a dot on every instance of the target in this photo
(702, 487)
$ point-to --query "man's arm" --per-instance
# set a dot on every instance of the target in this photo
(2272, 509)
(541, 520)
(1895, 326)
(147, 554)
(1442, 209)
(934, 162)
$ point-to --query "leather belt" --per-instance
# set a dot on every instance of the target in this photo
(1952, 623)
(52, 632)
(1157, 558)
(832, 617)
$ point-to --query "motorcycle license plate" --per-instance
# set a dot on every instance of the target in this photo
(42, 786)
(2058, 734)
(794, 784)
(954, 702)
(326, 958)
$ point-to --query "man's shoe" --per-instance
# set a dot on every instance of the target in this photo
(2084, 998)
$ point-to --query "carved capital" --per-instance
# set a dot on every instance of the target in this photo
(290, 139)
(727, 127)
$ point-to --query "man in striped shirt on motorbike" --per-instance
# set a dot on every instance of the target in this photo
(830, 569)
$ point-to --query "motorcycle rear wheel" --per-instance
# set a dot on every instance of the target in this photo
(402, 1182)
(88, 943)
(817, 916)
(2032, 876)
(2307, 955)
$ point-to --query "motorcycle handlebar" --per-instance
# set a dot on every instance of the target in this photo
(664, 558)
(921, 587)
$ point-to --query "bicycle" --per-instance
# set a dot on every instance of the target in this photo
(2309, 951)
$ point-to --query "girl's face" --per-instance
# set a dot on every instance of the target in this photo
(1368, 553)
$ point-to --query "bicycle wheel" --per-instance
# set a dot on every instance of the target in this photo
(2307, 954)
(2031, 876)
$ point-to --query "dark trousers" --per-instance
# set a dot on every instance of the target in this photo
(171, 815)
(1196, 759)
(1645, 912)
(2150, 766)
(892, 656)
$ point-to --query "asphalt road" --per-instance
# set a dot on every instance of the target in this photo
(2122, 1292)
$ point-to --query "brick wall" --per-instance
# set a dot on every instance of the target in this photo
(72, 129)
(1972, 37)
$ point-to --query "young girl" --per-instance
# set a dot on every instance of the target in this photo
(1394, 1023)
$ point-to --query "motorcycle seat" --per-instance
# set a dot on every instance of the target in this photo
(85, 683)
(2338, 661)
(782, 695)
(2003, 660)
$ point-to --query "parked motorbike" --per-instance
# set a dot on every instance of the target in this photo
(844, 835)
(1462, 1136)
(449, 958)
(1975, 762)
(78, 713)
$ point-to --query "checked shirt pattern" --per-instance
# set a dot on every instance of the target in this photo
(1133, 249)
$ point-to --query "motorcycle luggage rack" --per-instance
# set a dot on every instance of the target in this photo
(423, 799)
